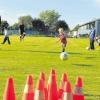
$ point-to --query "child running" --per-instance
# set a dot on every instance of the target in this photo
(62, 39)
(6, 34)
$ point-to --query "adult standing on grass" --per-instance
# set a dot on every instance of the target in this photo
(6, 33)
(22, 31)
(92, 38)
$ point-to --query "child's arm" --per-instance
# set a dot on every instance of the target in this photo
(58, 41)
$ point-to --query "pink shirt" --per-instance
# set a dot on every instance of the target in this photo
(63, 38)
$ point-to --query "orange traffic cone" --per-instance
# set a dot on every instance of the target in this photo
(52, 90)
(46, 93)
(67, 95)
(51, 73)
(28, 90)
(62, 83)
(78, 92)
(39, 92)
(42, 77)
(9, 93)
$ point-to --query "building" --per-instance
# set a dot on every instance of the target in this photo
(86, 27)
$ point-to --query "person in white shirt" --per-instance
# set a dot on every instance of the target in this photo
(6, 34)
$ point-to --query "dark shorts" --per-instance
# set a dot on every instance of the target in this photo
(21, 32)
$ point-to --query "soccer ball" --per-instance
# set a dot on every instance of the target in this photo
(63, 55)
(87, 48)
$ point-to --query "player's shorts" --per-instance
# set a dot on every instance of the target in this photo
(21, 32)
(63, 45)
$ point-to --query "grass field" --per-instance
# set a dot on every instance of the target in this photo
(36, 54)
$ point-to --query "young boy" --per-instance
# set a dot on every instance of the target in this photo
(6, 34)
(62, 39)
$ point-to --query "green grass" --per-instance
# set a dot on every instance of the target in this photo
(36, 54)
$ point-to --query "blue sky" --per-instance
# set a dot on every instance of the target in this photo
(72, 11)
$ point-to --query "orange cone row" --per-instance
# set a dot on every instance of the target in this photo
(46, 93)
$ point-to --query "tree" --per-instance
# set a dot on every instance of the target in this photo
(27, 21)
(62, 24)
(38, 25)
(14, 26)
(76, 27)
(50, 17)
(4, 24)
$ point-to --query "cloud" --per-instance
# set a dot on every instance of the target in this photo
(97, 2)
(3, 12)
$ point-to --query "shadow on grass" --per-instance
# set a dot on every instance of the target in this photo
(27, 51)
(33, 45)
(96, 97)
(46, 52)
(74, 53)
(84, 65)
(88, 58)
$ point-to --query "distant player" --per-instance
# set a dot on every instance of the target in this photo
(92, 39)
(6, 34)
(22, 31)
(63, 39)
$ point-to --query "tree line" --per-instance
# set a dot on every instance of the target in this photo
(47, 21)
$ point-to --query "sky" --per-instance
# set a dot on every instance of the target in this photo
(72, 11)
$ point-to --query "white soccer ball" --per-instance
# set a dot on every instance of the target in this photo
(87, 48)
(63, 56)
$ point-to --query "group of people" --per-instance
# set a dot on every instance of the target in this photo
(6, 33)
(92, 38)
(62, 36)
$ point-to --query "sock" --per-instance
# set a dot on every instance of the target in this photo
(63, 50)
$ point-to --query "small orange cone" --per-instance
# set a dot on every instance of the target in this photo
(9, 93)
(42, 76)
(51, 73)
(28, 90)
(39, 92)
(78, 92)
(67, 95)
(46, 93)
(61, 89)
(52, 90)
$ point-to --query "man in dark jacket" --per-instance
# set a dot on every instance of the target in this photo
(22, 31)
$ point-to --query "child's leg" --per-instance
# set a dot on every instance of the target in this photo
(63, 47)
(63, 50)
(5, 39)
(21, 37)
(92, 44)
(24, 35)
(8, 40)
